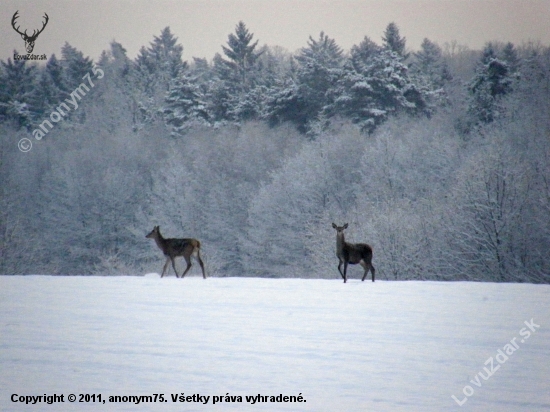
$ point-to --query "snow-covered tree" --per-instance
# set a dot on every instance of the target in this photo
(185, 104)
(303, 100)
(17, 80)
(162, 59)
(320, 181)
(235, 92)
(491, 82)
(155, 67)
(242, 56)
(430, 64)
(75, 66)
(364, 51)
(373, 89)
(487, 221)
(393, 41)
(510, 56)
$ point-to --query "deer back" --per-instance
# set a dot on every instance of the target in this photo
(181, 247)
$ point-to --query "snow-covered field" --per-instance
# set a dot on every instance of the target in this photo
(360, 346)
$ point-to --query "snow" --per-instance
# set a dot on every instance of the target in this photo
(383, 346)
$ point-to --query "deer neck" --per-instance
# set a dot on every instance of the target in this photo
(340, 242)
(160, 241)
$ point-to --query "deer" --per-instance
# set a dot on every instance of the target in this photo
(352, 253)
(172, 248)
(29, 40)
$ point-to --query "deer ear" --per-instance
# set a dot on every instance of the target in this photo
(333, 225)
(346, 226)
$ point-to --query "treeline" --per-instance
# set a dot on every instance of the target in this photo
(439, 158)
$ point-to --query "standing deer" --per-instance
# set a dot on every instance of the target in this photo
(352, 253)
(173, 248)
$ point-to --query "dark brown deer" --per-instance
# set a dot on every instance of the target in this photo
(352, 253)
(29, 40)
(173, 248)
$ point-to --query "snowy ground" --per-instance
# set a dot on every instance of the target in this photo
(383, 346)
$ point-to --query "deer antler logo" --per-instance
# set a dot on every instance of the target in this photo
(29, 40)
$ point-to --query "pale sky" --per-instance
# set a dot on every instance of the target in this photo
(202, 26)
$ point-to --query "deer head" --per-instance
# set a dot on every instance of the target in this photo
(154, 233)
(340, 229)
(29, 40)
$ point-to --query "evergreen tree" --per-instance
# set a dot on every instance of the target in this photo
(118, 61)
(201, 70)
(510, 56)
(158, 64)
(51, 88)
(155, 67)
(235, 90)
(164, 55)
(364, 51)
(75, 67)
(369, 92)
(45, 95)
(145, 69)
(430, 64)
(223, 91)
(491, 82)
(393, 41)
(185, 105)
(54, 68)
(242, 56)
(17, 81)
(303, 100)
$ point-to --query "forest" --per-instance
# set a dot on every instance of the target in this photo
(439, 158)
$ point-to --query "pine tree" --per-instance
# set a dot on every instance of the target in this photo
(75, 66)
(364, 51)
(303, 100)
(430, 64)
(161, 62)
(428, 59)
(54, 68)
(185, 106)
(155, 67)
(393, 41)
(118, 60)
(17, 81)
(491, 82)
(223, 91)
(510, 56)
(242, 56)
(51, 88)
(165, 51)
(369, 92)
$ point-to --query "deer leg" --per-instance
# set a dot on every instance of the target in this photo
(165, 266)
(340, 270)
(366, 267)
(174, 266)
(188, 261)
(372, 271)
(345, 271)
(202, 265)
